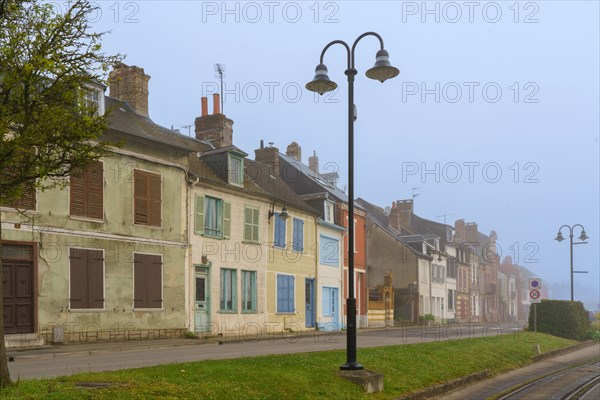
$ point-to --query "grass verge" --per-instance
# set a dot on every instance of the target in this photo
(406, 368)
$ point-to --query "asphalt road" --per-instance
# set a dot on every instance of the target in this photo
(72, 359)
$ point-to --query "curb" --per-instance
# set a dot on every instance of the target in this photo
(447, 386)
(557, 352)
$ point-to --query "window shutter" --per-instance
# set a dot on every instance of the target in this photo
(140, 199)
(139, 283)
(155, 282)
(298, 235)
(78, 278)
(95, 278)
(280, 293)
(199, 215)
(154, 200)
(256, 221)
(248, 227)
(95, 185)
(226, 219)
(290, 296)
(77, 195)
(27, 200)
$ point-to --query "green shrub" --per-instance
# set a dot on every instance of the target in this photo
(563, 318)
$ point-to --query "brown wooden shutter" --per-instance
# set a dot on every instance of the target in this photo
(95, 190)
(147, 198)
(87, 192)
(95, 279)
(78, 279)
(154, 199)
(27, 200)
(140, 197)
(147, 281)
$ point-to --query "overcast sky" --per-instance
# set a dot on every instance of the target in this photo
(494, 116)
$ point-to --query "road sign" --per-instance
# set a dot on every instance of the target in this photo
(534, 295)
(535, 283)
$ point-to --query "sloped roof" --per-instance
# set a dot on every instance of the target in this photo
(123, 118)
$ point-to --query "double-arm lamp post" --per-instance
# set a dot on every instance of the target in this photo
(381, 71)
(582, 237)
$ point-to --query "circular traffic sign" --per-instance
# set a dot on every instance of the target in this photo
(534, 294)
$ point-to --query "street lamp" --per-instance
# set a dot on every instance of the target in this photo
(582, 237)
(381, 71)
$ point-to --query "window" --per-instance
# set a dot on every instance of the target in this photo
(451, 299)
(248, 291)
(329, 301)
(87, 192)
(27, 199)
(329, 251)
(147, 194)
(298, 243)
(213, 217)
(86, 279)
(251, 219)
(280, 225)
(285, 294)
(228, 290)
(93, 100)
(147, 281)
(236, 172)
(328, 211)
(452, 267)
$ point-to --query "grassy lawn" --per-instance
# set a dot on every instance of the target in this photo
(299, 376)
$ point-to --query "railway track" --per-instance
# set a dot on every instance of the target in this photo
(575, 383)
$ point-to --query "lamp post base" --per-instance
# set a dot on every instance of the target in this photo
(351, 366)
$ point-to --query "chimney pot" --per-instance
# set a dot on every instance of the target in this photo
(216, 103)
(204, 106)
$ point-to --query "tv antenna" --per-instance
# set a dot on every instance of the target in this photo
(414, 190)
(444, 215)
(189, 129)
(220, 73)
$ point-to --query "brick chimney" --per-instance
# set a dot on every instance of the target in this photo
(313, 163)
(130, 84)
(471, 233)
(216, 128)
(294, 151)
(268, 156)
(401, 214)
(459, 228)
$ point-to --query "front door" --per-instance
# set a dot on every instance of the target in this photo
(310, 302)
(17, 289)
(202, 300)
(335, 307)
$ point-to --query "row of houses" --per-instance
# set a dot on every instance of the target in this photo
(169, 234)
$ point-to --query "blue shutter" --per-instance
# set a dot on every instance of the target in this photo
(280, 293)
(290, 294)
(285, 293)
(298, 235)
(279, 231)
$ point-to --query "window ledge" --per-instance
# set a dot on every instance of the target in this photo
(251, 242)
(148, 309)
(87, 219)
(16, 210)
(228, 312)
(148, 226)
(249, 312)
(286, 313)
(207, 235)
(87, 310)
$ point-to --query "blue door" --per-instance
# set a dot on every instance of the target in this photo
(335, 309)
(310, 302)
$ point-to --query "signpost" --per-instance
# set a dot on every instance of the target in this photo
(535, 284)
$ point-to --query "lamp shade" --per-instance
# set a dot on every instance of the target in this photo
(559, 237)
(284, 214)
(583, 236)
(321, 82)
(382, 70)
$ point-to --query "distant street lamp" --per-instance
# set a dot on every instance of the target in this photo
(381, 71)
(582, 237)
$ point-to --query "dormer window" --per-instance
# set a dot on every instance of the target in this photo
(94, 98)
(328, 212)
(236, 172)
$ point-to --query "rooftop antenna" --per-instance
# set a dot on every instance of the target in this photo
(414, 194)
(220, 73)
(188, 127)
(444, 215)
